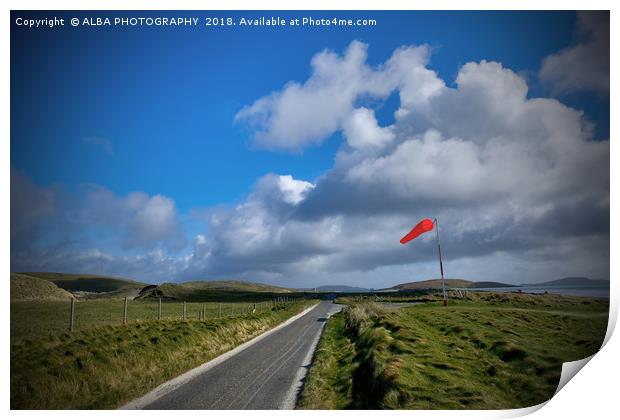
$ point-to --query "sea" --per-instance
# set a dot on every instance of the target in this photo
(587, 291)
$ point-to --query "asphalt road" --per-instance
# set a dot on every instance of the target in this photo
(266, 375)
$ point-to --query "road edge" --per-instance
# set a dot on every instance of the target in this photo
(290, 400)
(182, 379)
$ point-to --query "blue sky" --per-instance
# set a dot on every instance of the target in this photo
(152, 110)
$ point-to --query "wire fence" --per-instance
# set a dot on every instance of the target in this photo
(35, 318)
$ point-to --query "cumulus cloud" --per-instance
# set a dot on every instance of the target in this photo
(153, 220)
(50, 226)
(143, 221)
(585, 65)
(361, 130)
(304, 114)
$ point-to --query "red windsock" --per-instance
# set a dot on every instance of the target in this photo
(424, 226)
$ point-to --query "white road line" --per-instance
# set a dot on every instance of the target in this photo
(175, 383)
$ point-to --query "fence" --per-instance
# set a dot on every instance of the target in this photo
(132, 311)
(31, 319)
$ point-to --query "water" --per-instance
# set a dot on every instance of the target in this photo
(586, 291)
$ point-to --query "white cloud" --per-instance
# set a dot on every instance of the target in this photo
(293, 190)
(154, 220)
(585, 65)
(49, 216)
(304, 114)
(424, 168)
(362, 130)
(144, 221)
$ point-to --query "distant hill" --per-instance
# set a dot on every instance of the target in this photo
(92, 286)
(339, 288)
(485, 284)
(24, 287)
(450, 283)
(573, 282)
(432, 284)
(87, 282)
(210, 290)
(237, 285)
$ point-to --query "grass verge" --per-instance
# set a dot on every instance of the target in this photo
(106, 366)
(490, 351)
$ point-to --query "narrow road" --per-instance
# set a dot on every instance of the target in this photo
(266, 375)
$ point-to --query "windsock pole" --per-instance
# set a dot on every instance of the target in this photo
(443, 283)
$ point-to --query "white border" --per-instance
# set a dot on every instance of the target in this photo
(591, 394)
(309, 5)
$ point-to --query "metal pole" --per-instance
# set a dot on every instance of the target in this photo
(159, 310)
(72, 314)
(219, 315)
(184, 310)
(125, 311)
(443, 283)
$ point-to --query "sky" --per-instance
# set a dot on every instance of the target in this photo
(299, 156)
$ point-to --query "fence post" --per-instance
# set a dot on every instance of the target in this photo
(219, 315)
(159, 310)
(204, 311)
(72, 313)
(232, 311)
(125, 311)
(184, 310)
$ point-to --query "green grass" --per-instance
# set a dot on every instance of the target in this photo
(106, 366)
(329, 383)
(43, 318)
(491, 351)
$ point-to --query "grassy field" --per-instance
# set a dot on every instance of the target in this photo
(32, 319)
(106, 366)
(489, 351)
